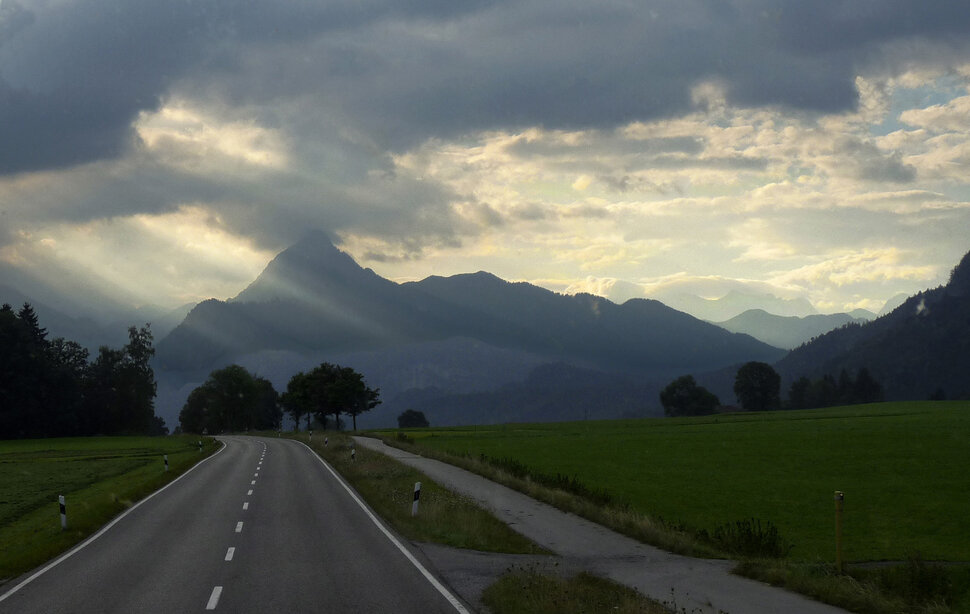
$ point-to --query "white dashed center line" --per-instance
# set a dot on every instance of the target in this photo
(253, 483)
(239, 527)
(246, 505)
(250, 492)
(230, 553)
(214, 598)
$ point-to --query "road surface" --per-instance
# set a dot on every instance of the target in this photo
(261, 526)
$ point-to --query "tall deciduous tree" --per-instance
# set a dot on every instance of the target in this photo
(683, 397)
(757, 386)
(231, 399)
(330, 389)
(411, 418)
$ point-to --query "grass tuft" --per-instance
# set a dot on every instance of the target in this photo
(526, 591)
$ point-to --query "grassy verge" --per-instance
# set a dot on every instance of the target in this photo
(916, 587)
(99, 476)
(610, 513)
(444, 517)
(901, 462)
(526, 591)
(901, 466)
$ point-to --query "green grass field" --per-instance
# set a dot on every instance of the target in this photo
(903, 468)
(99, 476)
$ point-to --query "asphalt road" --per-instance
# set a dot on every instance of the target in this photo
(262, 526)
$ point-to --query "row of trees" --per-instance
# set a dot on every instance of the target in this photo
(232, 399)
(328, 390)
(50, 388)
(757, 387)
(827, 391)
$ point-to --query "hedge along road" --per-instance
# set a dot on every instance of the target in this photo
(262, 526)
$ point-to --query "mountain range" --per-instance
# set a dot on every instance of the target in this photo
(474, 348)
(918, 350)
(314, 301)
(789, 332)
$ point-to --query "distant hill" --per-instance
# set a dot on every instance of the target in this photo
(734, 303)
(893, 303)
(919, 348)
(313, 297)
(466, 334)
(90, 333)
(551, 392)
(786, 332)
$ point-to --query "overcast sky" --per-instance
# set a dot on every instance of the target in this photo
(165, 151)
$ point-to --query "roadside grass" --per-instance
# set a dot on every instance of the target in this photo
(526, 591)
(914, 587)
(611, 513)
(902, 467)
(676, 483)
(99, 476)
(444, 517)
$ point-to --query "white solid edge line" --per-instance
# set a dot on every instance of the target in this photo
(214, 598)
(407, 553)
(102, 530)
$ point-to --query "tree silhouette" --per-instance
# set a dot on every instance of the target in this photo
(683, 397)
(231, 399)
(330, 389)
(411, 418)
(757, 386)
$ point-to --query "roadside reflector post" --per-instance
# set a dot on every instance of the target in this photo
(326, 441)
(353, 453)
(60, 500)
(166, 462)
(839, 498)
(200, 445)
(311, 436)
(417, 495)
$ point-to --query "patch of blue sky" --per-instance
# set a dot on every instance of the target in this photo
(941, 91)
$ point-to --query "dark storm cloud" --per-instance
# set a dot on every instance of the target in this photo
(74, 76)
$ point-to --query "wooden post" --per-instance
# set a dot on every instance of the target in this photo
(839, 498)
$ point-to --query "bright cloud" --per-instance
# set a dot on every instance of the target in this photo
(798, 150)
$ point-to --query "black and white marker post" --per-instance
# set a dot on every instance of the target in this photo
(200, 445)
(60, 499)
(166, 462)
(417, 495)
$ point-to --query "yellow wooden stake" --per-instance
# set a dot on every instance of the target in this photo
(839, 497)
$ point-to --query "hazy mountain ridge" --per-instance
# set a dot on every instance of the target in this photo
(313, 303)
(734, 303)
(90, 333)
(916, 350)
(787, 332)
(312, 297)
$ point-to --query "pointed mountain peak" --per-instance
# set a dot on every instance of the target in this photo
(310, 266)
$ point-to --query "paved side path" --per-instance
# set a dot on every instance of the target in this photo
(696, 585)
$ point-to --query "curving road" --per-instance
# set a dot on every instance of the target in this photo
(262, 526)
